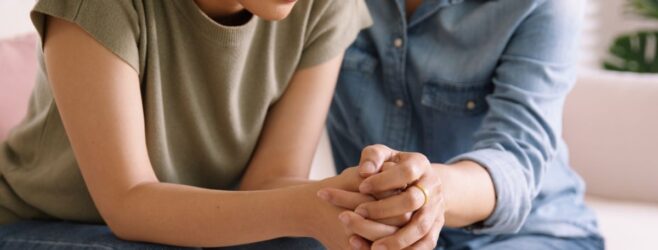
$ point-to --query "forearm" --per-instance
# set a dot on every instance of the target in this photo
(273, 183)
(188, 216)
(293, 128)
(469, 193)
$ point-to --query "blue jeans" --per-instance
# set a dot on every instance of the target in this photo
(55, 235)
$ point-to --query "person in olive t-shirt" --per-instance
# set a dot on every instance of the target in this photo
(146, 114)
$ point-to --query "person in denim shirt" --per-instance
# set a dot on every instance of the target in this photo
(463, 83)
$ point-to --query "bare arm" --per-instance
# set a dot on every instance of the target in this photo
(102, 113)
(469, 193)
(294, 125)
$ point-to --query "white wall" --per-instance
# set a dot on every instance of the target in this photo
(604, 21)
(14, 17)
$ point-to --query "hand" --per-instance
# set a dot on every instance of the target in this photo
(327, 220)
(368, 229)
(389, 170)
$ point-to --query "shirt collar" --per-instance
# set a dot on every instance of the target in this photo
(427, 8)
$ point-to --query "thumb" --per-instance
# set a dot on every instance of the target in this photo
(373, 157)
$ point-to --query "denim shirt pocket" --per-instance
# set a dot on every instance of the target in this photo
(456, 99)
(358, 60)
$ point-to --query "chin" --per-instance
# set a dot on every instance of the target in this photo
(271, 10)
(276, 15)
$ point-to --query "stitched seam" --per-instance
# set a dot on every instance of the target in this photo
(77, 11)
(38, 153)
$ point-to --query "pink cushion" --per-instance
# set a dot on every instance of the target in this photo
(18, 64)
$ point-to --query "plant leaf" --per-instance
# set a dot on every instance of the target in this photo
(637, 52)
(646, 8)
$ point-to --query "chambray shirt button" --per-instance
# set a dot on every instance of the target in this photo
(470, 105)
(399, 103)
(398, 42)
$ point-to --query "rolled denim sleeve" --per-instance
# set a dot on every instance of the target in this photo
(520, 132)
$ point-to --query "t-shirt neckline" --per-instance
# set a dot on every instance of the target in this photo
(209, 27)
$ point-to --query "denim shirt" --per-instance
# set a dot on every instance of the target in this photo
(472, 80)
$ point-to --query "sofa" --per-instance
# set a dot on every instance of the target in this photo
(611, 127)
(610, 124)
(17, 74)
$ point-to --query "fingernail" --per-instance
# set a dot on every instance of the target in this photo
(323, 195)
(355, 243)
(344, 218)
(361, 211)
(379, 247)
(365, 187)
(368, 168)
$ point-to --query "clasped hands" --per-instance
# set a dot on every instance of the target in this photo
(399, 202)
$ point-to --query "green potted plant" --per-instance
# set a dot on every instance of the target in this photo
(638, 51)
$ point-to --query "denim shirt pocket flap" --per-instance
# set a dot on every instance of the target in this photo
(467, 100)
(359, 60)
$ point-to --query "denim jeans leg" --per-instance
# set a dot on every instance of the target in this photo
(530, 241)
(56, 235)
(59, 235)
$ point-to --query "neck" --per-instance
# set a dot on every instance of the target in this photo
(226, 12)
(411, 6)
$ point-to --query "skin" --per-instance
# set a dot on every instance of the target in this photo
(460, 194)
(272, 10)
(411, 6)
(103, 116)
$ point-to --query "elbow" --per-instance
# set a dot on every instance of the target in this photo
(129, 226)
(123, 217)
(508, 217)
(121, 224)
(122, 232)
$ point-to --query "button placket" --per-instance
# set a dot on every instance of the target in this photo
(398, 42)
(398, 118)
(399, 103)
(470, 105)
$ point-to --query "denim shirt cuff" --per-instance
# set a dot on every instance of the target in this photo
(513, 202)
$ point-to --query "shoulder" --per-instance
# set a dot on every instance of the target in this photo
(549, 31)
(115, 24)
(327, 27)
(558, 17)
(558, 9)
(74, 8)
(332, 11)
(537, 14)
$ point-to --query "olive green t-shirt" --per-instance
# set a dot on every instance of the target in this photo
(206, 90)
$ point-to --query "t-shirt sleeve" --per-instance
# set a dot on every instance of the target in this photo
(113, 23)
(334, 28)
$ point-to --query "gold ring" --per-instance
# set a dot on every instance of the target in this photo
(422, 189)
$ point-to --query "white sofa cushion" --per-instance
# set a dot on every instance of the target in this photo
(626, 225)
(611, 127)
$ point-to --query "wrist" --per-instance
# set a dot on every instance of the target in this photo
(445, 173)
(304, 206)
(469, 193)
